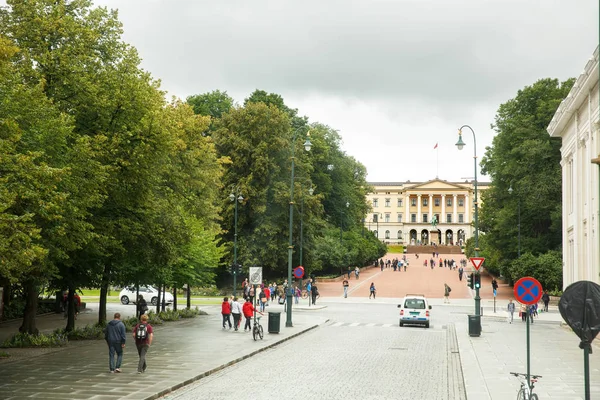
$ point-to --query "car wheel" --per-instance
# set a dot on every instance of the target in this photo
(154, 301)
(401, 324)
(124, 300)
(427, 325)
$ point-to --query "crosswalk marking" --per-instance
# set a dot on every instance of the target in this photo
(354, 324)
(370, 324)
(338, 324)
(362, 324)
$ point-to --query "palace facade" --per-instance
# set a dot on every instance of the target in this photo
(403, 212)
(576, 122)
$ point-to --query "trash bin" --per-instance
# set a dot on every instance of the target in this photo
(274, 322)
(475, 325)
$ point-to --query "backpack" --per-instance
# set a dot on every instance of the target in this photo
(449, 289)
(141, 332)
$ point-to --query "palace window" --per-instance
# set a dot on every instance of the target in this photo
(399, 217)
(387, 202)
(387, 217)
(461, 202)
(399, 234)
(425, 201)
(424, 218)
(461, 219)
(413, 217)
(399, 202)
(413, 202)
(387, 234)
(449, 218)
(375, 218)
(436, 202)
(375, 203)
(449, 202)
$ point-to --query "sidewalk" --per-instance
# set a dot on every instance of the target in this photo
(181, 353)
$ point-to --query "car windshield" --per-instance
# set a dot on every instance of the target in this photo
(418, 304)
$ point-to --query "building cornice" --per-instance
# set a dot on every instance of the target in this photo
(579, 92)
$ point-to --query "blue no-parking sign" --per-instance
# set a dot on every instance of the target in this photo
(528, 290)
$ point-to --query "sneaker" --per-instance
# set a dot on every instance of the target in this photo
(118, 370)
(139, 372)
(112, 372)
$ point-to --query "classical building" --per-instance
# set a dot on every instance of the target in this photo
(403, 212)
(576, 123)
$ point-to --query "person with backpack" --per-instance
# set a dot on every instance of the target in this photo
(372, 290)
(143, 335)
(447, 291)
(115, 337)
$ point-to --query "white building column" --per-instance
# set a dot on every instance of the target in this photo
(443, 216)
(455, 208)
(419, 208)
(430, 208)
(467, 210)
(407, 208)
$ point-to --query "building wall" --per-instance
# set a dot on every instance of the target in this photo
(399, 208)
(576, 123)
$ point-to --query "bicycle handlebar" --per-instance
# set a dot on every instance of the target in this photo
(517, 374)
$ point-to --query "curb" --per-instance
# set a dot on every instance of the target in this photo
(228, 364)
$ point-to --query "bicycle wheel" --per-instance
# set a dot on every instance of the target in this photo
(260, 334)
(533, 396)
(304, 294)
(254, 332)
(521, 395)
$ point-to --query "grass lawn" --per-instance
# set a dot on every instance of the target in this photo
(395, 248)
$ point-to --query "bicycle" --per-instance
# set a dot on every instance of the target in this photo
(526, 393)
(257, 329)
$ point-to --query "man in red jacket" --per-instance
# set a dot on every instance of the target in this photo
(248, 310)
(226, 312)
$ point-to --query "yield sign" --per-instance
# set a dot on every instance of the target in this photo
(528, 290)
(477, 262)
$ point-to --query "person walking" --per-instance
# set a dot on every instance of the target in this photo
(236, 311)
(372, 290)
(115, 337)
(357, 271)
(346, 285)
(309, 290)
(447, 291)
(262, 300)
(460, 273)
(511, 311)
(248, 310)
(314, 293)
(297, 294)
(226, 312)
(141, 305)
(495, 286)
(546, 300)
(523, 312)
(143, 335)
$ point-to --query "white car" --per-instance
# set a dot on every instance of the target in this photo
(415, 310)
(128, 295)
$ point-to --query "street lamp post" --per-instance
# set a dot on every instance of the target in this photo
(236, 198)
(510, 191)
(460, 144)
(289, 294)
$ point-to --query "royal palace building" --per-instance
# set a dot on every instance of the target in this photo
(413, 213)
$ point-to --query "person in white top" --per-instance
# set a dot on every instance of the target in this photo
(236, 311)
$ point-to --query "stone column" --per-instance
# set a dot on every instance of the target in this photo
(454, 208)
(467, 210)
(430, 208)
(407, 208)
(443, 216)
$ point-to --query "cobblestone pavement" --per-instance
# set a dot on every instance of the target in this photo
(338, 361)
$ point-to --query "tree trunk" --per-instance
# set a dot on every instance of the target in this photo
(31, 299)
(163, 297)
(189, 296)
(71, 309)
(158, 299)
(103, 294)
(175, 298)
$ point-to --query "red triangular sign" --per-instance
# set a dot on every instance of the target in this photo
(477, 262)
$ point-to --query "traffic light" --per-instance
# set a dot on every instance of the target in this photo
(470, 281)
(235, 269)
(477, 281)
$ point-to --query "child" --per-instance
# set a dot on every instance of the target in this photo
(511, 310)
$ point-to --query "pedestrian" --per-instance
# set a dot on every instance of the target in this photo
(226, 312)
(523, 312)
(297, 294)
(141, 305)
(236, 311)
(143, 335)
(267, 295)
(357, 270)
(351, 271)
(511, 311)
(115, 337)
(495, 286)
(447, 291)
(531, 310)
(262, 300)
(314, 293)
(251, 292)
(248, 310)
(460, 273)
(546, 300)
(309, 290)
(345, 284)
(372, 290)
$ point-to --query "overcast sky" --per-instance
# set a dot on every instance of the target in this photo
(394, 77)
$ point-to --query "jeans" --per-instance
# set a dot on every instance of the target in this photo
(226, 319)
(345, 291)
(142, 350)
(236, 321)
(262, 306)
(247, 325)
(115, 347)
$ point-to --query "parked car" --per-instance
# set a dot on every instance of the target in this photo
(128, 295)
(415, 310)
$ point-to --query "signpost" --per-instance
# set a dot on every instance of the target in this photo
(477, 262)
(528, 291)
(299, 272)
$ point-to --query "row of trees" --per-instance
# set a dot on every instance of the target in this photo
(523, 157)
(104, 182)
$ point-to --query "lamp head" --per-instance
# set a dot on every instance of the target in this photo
(307, 143)
(231, 197)
(311, 191)
(240, 198)
(510, 190)
(460, 144)
(347, 204)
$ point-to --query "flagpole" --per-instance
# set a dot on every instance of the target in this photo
(437, 168)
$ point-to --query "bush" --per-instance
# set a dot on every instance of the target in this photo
(20, 340)
(4, 354)
(88, 332)
(191, 313)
